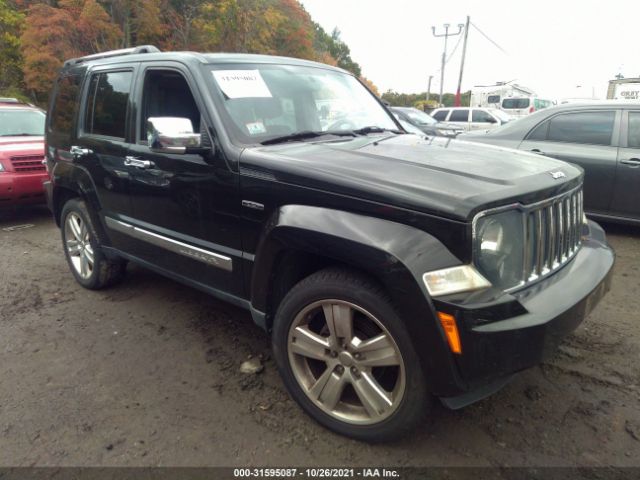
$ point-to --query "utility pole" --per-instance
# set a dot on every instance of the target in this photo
(464, 53)
(429, 88)
(446, 36)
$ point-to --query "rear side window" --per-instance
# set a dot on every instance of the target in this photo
(515, 103)
(65, 106)
(480, 116)
(107, 100)
(440, 115)
(593, 128)
(460, 115)
(634, 130)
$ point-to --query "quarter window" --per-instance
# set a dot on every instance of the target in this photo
(594, 128)
(440, 115)
(634, 130)
(106, 111)
(460, 115)
(493, 99)
(65, 105)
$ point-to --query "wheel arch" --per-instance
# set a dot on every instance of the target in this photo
(300, 240)
(73, 181)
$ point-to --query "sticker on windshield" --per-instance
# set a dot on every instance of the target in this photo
(242, 83)
(256, 128)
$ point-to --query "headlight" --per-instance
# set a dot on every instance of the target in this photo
(454, 280)
(498, 252)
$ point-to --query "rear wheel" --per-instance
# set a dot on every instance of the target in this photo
(82, 247)
(347, 358)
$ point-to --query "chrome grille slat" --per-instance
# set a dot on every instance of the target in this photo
(552, 235)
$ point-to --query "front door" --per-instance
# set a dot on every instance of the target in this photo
(184, 205)
(626, 199)
(482, 120)
(586, 139)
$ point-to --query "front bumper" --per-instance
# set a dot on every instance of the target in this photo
(511, 332)
(22, 188)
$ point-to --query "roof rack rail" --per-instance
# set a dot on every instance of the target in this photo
(112, 53)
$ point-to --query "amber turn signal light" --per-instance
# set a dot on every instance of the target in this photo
(450, 328)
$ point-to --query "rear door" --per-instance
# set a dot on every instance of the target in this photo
(587, 139)
(626, 199)
(103, 140)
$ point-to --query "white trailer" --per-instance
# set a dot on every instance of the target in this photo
(491, 96)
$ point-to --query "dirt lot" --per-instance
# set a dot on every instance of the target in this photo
(147, 373)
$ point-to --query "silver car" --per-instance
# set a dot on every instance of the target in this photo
(602, 138)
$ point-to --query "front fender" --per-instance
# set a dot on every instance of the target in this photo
(397, 255)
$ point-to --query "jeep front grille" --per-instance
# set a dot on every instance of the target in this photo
(28, 163)
(553, 232)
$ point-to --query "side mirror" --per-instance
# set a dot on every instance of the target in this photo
(171, 135)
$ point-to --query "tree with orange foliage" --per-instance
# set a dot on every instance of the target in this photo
(370, 85)
(53, 34)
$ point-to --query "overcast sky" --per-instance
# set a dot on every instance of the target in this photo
(552, 46)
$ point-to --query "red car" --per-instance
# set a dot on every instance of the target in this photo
(21, 154)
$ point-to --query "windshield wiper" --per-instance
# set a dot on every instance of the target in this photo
(19, 135)
(304, 136)
(375, 129)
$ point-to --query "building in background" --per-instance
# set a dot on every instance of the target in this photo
(624, 89)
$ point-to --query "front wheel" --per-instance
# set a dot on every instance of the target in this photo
(346, 357)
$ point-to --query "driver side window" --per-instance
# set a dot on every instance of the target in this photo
(167, 94)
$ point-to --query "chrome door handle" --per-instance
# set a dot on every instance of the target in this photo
(136, 162)
(79, 151)
(632, 162)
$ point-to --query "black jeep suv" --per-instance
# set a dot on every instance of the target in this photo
(388, 268)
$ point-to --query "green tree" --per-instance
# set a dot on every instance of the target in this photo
(11, 24)
(336, 48)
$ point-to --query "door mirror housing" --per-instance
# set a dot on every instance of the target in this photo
(172, 135)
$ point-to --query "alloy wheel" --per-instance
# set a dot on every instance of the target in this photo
(78, 245)
(346, 362)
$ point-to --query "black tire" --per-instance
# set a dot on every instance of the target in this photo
(354, 288)
(105, 271)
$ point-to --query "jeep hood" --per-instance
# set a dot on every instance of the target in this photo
(438, 176)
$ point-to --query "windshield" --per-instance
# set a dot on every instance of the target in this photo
(18, 122)
(265, 102)
(515, 103)
(420, 117)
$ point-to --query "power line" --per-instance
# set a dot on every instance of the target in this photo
(454, 49)
(487, 37)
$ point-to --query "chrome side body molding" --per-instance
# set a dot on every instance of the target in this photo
(205, 256)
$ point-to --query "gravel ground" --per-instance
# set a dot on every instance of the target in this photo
(148, 373)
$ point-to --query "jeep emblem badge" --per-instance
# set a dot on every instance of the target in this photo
(557, 174)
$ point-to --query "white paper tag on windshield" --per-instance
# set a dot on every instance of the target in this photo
(242, 83)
